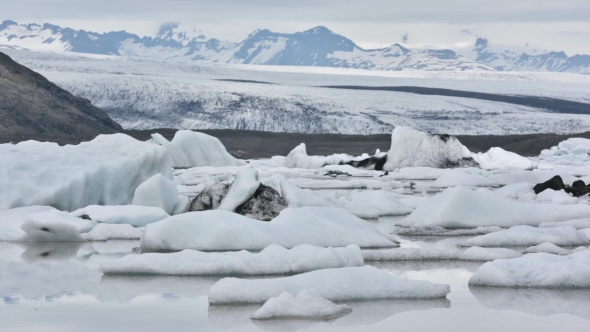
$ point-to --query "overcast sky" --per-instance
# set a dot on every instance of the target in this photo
(546, 24)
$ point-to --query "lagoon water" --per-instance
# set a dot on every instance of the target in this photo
(59, 287)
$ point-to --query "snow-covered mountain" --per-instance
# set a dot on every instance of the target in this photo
(511, 58)
(315, 47)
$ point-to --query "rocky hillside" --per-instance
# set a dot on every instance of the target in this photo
(33, 106)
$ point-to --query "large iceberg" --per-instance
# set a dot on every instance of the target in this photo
(308, 303)
(157, 191)
(272, 260)
(526, 236)
(498, 158)
(536, 270)
(461, 207)
(190, 149)
(104, 171)
(344, 284)
(222, 230)
(414, 148)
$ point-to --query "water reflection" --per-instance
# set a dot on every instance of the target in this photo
(49, 251)
(540, 302)
(363, 313)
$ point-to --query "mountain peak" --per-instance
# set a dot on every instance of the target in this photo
(481, 43)
(6, 24)
(319, 30)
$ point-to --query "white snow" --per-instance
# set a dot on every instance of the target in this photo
(223, 230)
(461, 207)
(157, 191)
(576, 223)
(272, 260)
(411, 254)
(525, 236)
(189, 149)
(138, 216)
(104, 232)
(242, 189)
(498, 158)
(414, 148)
(540, 270)
(106, 170)
(308, 303)
(344, 284)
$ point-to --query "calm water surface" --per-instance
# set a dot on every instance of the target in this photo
(59, 287)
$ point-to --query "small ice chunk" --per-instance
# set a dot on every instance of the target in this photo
(157, 191)
(41, 224)
(308, 303)
(498, 158)
(540, 270)
(242, 189)
(464, 208)
(223, 230)
(344, 284)
(272, 260)
(41, 230)
(525, 236)
(138, 216)
(104, 232)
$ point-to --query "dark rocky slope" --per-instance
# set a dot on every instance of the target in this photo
(33, 107)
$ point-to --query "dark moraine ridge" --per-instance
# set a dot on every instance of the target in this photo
(549, 104)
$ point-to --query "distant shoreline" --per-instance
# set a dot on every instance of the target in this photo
(256, 144)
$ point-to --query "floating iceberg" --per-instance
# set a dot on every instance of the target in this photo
(272, 260)
(464, 208)
(458, 177)
(498, 158)
(416, 254)
(223, 230)
(525, 236)
(573, 151)
(550, 248)
(190, 149)
(414, 148)
(104, 232)
(41, 224)
(105, 171)
(344, 284)
(308, 303)
(514, 190)
(298, 158)
(138, 216)
(369, 203)
(157, 192)
(242, 189)
(536, 270)
(556, 197)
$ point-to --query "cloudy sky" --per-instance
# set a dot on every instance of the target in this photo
(545, 24)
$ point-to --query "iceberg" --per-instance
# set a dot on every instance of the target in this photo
(104, 232)
(308, 303)
(242, 189)
(40, 224)
(192, 149)
(157, 191)
(344, 284)
(273, 260)
(540, 270)
(138, 216)
(298, 158)
(104, 171)
(498, 158)
(550, 248)
(414, 148)
(222, 231)
(461, 207)
(525, 236)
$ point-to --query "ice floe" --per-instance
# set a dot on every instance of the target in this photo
(189, 149)
(104, 232)
(242, 189)
(551, 248)
(540, 270)
(344, 284)
(298, 158)
(157, 191)
(138, 216)
(498, 158)
(105, 171)
(413, 254)
(461, 207)
(272, 260)
(525, 236)
(308, 303)
(223, 230)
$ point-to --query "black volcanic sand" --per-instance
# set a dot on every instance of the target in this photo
(256, 144)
